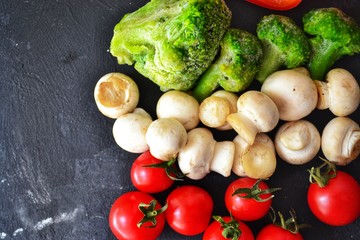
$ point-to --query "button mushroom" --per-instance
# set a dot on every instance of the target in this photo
(129, 131)
(297, 142)
(179, 105)
(293, 91)
(256, 113)
(340, 93)
(340, 140)
(223, 158)
(165, 137)
(194, 159)
(116, 94)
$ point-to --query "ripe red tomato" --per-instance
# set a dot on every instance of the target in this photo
(125, 216)
(149, 179)
(275, 232)
(215, 230)
(337, 203)
(276, 4)
(189, 210)
(247, 209)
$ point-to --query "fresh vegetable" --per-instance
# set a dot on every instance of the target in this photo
(227, 228)
(148, 175)
(232, 100)
(284, 43)
(256, 113)
(333, 35)
(276, 4)
(116, 94)
(171, 42)
(340, 93)
(213, 111)
(136, 215)
(234, 70)
(333, 196)
(298, 95)
(297, 142)
(129, 131)
(189, 210)
(223, 158)
(248, 199)
(179, 105)
(340, 140)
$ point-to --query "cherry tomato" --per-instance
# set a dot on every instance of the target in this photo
(229, 226)
(244, 207)
(189, 210)
(338, 202)
(275, 232)
(276, 4)
(125, 217)
(149, 179)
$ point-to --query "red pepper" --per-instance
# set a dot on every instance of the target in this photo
(276, 4)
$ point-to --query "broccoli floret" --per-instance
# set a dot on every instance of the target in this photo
(171, 42)
(334, 34)
(234, 70)
(284, 45)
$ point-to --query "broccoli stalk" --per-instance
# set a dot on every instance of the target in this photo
(236, 66)
(333, 35)
(171, 42)
(284, 44)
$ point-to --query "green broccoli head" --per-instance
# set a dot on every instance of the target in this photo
(171, 42)
(236, 66)
(284, 44)
(334, 34)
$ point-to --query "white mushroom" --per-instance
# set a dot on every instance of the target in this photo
(232, 100)
(297, 142)
(116, 94)
(223, 158)
(179, 105)
(241, 147)
(194, 159)
(340, 140)
(256, 113)
(213, 111)
(340, 93)
(165, 137)
(294, 93)
(129, 131)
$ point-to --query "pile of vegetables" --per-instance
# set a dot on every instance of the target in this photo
(204, 68)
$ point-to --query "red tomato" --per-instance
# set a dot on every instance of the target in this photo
(125, 216)
(247, 209)
(338, 203)
(149, 179)
(276, 4)
(189, 210)
(275, 232)
(215, 230)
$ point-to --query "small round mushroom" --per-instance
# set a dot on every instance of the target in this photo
(297, 142)
(213, 111)
(166, 137)
(223, 158)
(232, 99)
(179, 105)
(116, 94)
(294, 93)
(129, 131)
(256, 113)
(340, 140)
(241, 147)
(195, 158)
(340, 93)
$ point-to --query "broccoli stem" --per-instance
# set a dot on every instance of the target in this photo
(207, 83)
(325, 54)
(271, 62)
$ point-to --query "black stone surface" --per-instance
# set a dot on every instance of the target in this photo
(60, 169)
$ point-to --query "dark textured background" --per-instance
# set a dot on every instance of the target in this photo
(60, 169)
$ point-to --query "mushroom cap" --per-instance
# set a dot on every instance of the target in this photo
(340, 140)
(129, 132)
(116, 94)
(232, 98)
(179, 105)
(294, 93)
(241, 147)
(297, 142)
(213, 111)
(165, 137)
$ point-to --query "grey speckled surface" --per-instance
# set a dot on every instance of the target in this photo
(60, 169)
